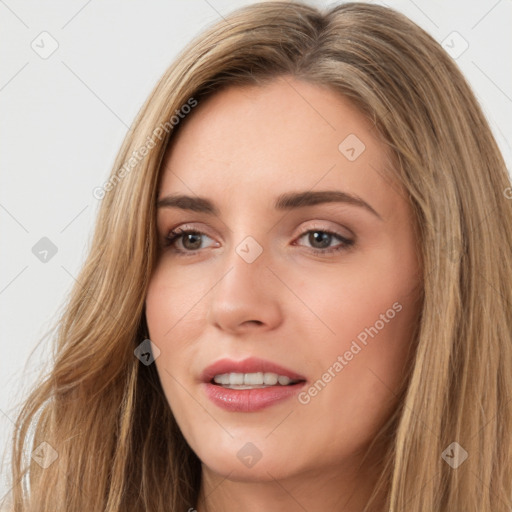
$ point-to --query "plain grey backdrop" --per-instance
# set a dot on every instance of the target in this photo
(73, 76)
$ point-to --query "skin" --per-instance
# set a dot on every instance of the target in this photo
(241, 148)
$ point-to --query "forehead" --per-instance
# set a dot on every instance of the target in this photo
(287, 134)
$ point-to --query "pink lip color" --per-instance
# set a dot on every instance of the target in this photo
(248, 400)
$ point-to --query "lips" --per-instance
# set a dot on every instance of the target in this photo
(250, 365)
(250, 399)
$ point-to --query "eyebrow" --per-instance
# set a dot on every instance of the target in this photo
(286, 201)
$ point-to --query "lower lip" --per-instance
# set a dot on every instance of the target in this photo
(249, 400)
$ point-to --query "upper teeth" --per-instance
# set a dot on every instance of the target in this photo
(253, 379)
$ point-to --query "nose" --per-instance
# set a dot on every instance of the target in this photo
(247, 297)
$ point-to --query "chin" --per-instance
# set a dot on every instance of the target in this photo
(246, 464)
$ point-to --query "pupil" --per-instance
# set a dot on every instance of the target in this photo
(188, 238)
(324, 238)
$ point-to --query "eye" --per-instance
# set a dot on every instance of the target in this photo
(321, 240)
(190, 240)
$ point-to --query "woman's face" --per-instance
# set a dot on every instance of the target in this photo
(302, 256)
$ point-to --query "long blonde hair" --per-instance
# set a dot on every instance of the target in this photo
(104, 413)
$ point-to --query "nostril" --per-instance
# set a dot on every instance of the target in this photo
(257, 322)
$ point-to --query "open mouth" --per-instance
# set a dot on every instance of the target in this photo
(255, 380)
(249, 385)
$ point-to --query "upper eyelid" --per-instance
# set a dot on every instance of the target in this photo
(187, 227)
(317, 224)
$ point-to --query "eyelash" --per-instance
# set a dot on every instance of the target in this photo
(174, 235)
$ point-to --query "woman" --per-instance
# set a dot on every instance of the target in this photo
(287, 303)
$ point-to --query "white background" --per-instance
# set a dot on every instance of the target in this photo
(64, 118)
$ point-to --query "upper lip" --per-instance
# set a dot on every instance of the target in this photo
(250, 365)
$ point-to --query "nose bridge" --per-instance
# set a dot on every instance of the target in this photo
(246, 292)
(247, 273)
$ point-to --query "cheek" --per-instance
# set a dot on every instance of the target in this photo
(173, 323)
(368, 318)
(173, 299)
(176, 318)
(357, 371)
(349, 300)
